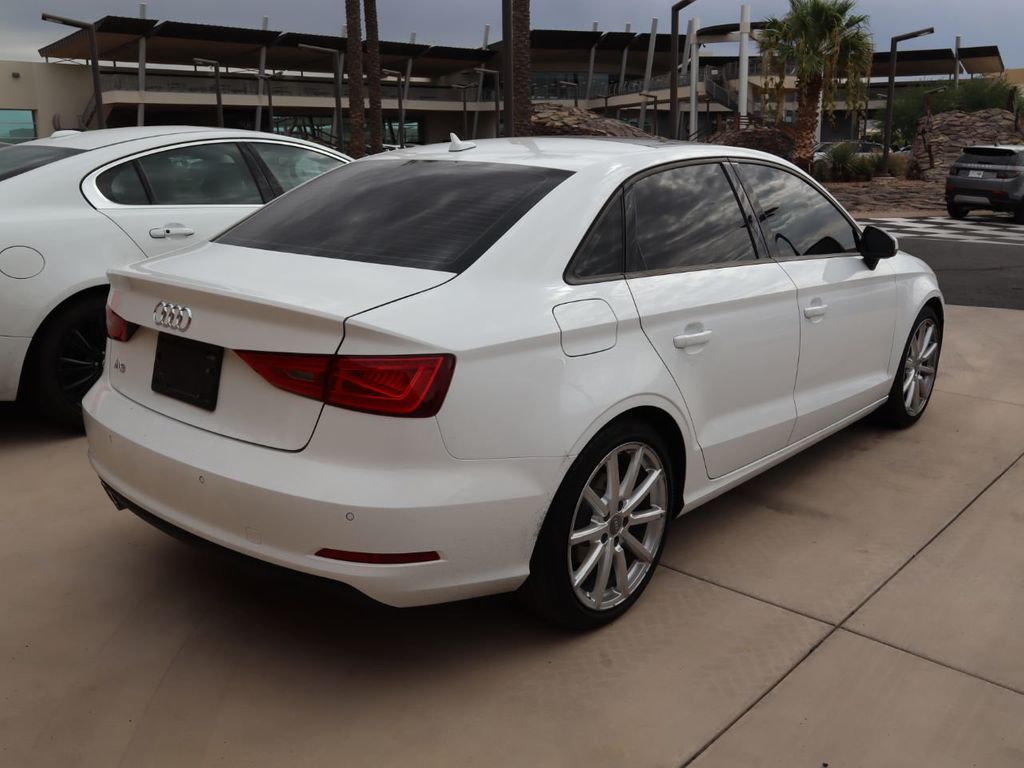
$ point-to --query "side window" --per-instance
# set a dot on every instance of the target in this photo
(601, 253)
(292, 166)
(796, 217)
(202, 174)
(689, 217)
(122, 185)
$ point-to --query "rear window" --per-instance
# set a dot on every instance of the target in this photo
(991, 156)
(429, 214)
(24, 157)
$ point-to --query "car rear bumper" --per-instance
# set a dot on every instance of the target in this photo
(12, 357)
(282, 507)
(985, 193)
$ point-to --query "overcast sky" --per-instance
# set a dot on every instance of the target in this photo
(461, 22)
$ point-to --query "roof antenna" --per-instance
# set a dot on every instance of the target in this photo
(458, 145)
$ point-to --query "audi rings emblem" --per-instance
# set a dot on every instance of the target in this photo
(173, 316)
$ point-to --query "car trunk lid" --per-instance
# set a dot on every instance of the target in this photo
(194, 309)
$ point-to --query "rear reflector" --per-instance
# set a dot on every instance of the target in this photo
(379, 558)
(396, 385)
(118, 328)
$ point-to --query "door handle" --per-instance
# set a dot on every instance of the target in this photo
(691, 339)
(171, 230)
(815, 310)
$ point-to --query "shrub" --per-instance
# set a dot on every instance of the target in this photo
(972, 96)
(862, 168)
(899, 165)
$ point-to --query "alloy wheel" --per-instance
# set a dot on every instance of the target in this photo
(79, 359)
(618, 525)
(919, 367)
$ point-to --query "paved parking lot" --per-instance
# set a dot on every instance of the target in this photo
(860, 605)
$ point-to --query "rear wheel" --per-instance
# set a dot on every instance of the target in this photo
(915, 379)
(1018, 215)
(605, 530)
(956, 211)
(67, 359)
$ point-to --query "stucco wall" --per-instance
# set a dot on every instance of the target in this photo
(59, 91)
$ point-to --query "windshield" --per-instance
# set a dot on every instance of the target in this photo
(19, 158)
(428, 214)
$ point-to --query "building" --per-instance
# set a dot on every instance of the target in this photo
(273, 80)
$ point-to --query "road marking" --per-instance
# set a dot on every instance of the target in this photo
(993, 231)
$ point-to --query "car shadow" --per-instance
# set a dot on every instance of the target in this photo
(21, 424)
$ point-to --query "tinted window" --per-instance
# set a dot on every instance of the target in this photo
(292, 166)
(796, 216)
(689, 217)
(24, 157)
(204, 174)
(122, 185)
(431, 214)
(991, 156)
(601, 252)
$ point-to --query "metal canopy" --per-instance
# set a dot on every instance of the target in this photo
(982, 60)
(932, 61)
(178, 43)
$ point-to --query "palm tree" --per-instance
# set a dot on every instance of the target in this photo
(522, 107)
(354, 58)
(373, 76)
(826, 44)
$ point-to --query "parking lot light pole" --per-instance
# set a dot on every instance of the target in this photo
(339, 131)
(462, 87)
(401, 105)
(892, 90)
(101, 119)
(216, 86)
(497, 107)
(673, 75)
(268, 77)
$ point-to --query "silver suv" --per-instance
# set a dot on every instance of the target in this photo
(989, 178)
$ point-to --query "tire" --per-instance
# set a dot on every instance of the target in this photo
(905, 406)
(67, 359)
(607, 552)
(1018, 215)
(956, 211)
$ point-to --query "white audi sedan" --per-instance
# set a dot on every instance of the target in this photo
(77, 204)
(469, 369)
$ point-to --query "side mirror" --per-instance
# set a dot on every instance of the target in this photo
(877, 244)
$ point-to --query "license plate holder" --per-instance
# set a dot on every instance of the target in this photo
(976, 174)
(187, 370)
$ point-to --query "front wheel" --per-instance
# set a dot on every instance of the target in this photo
(605, 529)
(67, 359)
(915, 379)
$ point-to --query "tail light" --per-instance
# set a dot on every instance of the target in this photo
(1007, 174)
(395, 385)
(118, 328)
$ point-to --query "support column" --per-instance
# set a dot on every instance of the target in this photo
(622, 70)
(744, 59)
(140, 117)
(480, 86)
(691, 38)
(647, 70)
(590, 69)
(259, 80)
(956, 65)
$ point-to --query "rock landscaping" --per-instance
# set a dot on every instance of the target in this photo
(942, 137)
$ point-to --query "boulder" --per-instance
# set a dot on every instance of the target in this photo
(556, 120)
(942, 137)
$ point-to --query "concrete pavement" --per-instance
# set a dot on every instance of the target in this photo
(861, 604)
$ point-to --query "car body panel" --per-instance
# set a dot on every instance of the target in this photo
(48, 210)
(474, 482)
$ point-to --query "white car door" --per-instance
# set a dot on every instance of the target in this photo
(169, 199)
(717, 310)
(846, 310)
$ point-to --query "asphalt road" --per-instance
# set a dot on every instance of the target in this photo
(974, 274)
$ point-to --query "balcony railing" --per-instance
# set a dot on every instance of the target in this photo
(248, 86)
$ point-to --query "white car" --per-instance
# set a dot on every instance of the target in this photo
(437, 374)
(78, 204)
